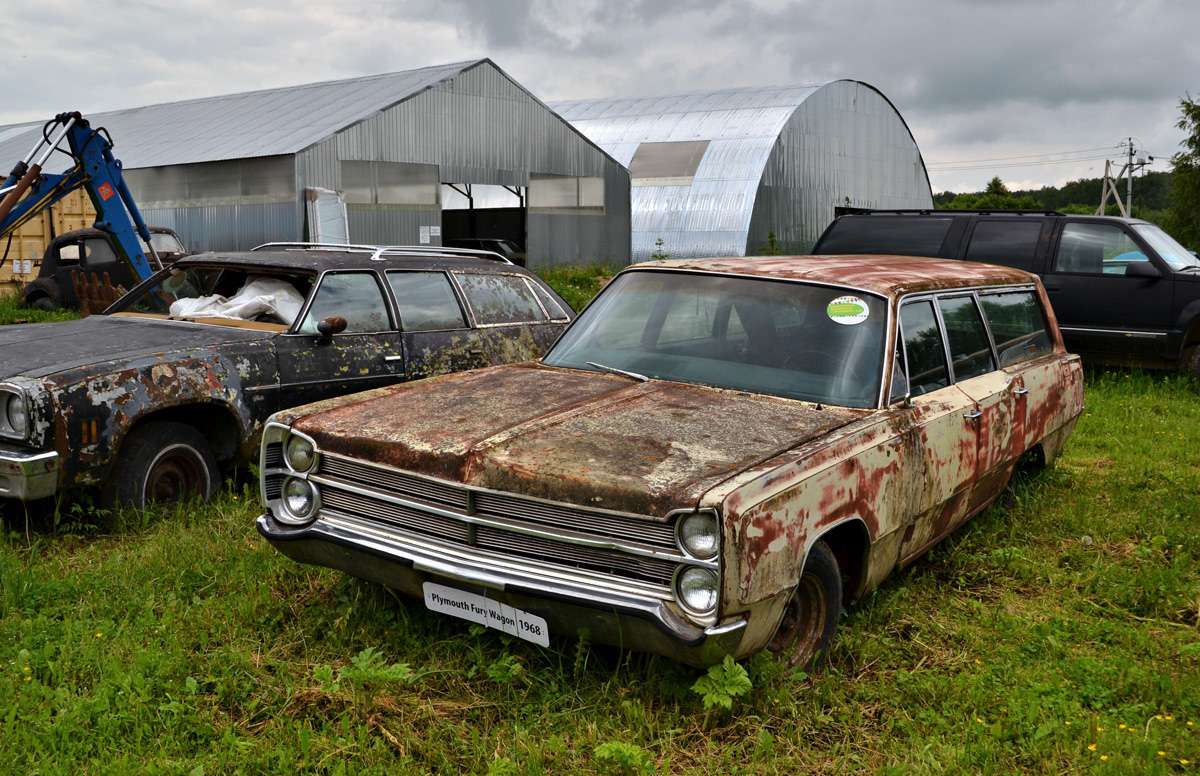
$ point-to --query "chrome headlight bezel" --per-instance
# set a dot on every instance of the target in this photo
(289, 512)
(14, 413)
(683, 584)
(299, 452)
(692, 538)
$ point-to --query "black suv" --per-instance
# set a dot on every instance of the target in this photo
(1123, 290)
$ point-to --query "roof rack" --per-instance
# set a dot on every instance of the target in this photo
(382, 252)
(866, 211)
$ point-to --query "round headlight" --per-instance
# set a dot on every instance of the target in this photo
(16, 414)
(697, 589)
(300, 497)
(299, 453)
(698, 534)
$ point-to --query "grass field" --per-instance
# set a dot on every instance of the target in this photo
(1057, 635)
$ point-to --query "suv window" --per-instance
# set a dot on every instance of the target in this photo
(1018, 325)
(426, 301)
(970, 348)
(497, 299)
(923, 344)
(1095, 249)
(1007, 243)
(886, 235)
(355, 296)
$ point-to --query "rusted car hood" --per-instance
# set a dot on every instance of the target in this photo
(579, 437)
(43, 349)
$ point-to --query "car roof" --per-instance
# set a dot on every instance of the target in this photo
(337, 258)
(966, 213)
(889, 276)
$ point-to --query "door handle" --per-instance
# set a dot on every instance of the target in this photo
(1020, 391)
(393, 358)
(972, 415)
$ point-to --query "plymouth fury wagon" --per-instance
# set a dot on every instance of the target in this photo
(175, 380)
(713, 459)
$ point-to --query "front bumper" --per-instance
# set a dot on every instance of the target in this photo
(632, 622)
(27, 474)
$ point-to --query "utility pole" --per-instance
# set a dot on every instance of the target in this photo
(1109, 186)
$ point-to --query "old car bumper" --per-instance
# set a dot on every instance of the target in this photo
(388, 558)
(27, 474)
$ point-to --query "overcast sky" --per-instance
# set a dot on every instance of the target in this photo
(1023, 81)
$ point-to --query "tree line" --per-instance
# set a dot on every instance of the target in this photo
(1170, 199)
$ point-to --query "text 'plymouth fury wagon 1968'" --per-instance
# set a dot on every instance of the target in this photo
(712, 459)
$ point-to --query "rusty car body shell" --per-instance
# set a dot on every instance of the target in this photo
(879, 485)
(90, 382)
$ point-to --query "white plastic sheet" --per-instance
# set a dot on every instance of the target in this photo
(258, 296)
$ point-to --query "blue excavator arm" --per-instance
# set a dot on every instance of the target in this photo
(28, 191)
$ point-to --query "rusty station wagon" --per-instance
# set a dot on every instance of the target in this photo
(178, 376)
(713, 458)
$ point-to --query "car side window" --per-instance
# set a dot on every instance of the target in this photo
(923, 345)
(97, 252)
(1096, 249)
(970, 347)
(1007, 243)
(1018, 325)
(355, 296)
(426, 301)
(498, 299)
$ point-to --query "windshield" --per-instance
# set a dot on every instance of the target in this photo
(165, 242)
(1165, 246)
(799, 341)
(215, 292)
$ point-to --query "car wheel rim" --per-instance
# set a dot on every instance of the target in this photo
(803, 623)
(175, 475)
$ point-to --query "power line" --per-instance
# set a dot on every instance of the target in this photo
(1027, 156)
(936, 168)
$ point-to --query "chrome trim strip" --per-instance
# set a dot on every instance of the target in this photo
(1123, 332)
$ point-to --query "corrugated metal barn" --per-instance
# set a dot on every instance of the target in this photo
(421, 156)
(716, 172)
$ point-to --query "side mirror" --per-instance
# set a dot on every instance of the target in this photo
(327, 327)
(1142, 269)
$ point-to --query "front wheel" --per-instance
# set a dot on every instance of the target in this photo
(811, 616)
(161, 462)
(44, 303)
(1196, 365)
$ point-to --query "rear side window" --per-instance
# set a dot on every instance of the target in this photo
(1018, 325)
(1007, 243)
(923, 344)
(426, 301)
(970, 348)
(497, 299)
(898, 235)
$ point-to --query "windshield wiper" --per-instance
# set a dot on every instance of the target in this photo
(615, 371)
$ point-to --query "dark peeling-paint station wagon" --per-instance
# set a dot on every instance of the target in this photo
(177, 377)
(713, 458)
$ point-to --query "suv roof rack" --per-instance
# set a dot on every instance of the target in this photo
(382, 252)
(866, 211)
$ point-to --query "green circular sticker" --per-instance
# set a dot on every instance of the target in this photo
(848, 310)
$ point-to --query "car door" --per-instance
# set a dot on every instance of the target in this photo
(367, 354)
(513, 315)
(1025, 349)
(1099, 309)
(995, 412)
(438, 337)
(938, 417)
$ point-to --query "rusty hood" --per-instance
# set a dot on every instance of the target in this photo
(44, 349)
(573, 436)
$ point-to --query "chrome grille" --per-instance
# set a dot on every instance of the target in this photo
(468, 516)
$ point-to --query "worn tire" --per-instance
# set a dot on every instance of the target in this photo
(811, 616)
(161, 462)
(1196, 365)
(43, 303)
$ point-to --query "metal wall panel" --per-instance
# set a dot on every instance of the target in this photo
(233, 227)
